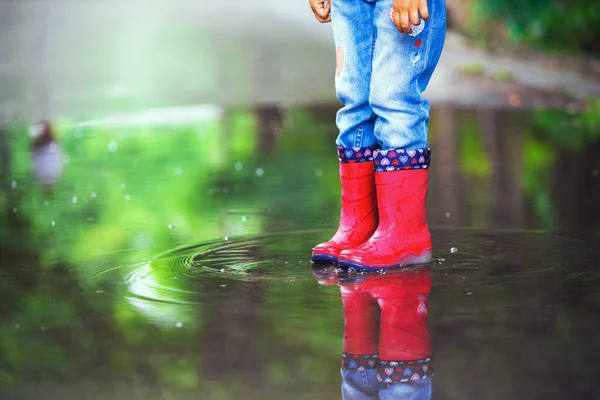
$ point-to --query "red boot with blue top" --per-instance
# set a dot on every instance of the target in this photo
(358, 217)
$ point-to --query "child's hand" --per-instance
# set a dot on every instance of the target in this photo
(322, 11)
(406, 12)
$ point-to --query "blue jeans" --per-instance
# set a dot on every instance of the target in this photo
(381, 73)
(363, 385)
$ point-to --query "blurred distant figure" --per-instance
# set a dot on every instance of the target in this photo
(46, 154)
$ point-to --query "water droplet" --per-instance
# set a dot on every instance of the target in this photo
(127, 197)
(15, 210)
(226, 238)
(170, 226)
(13, 184)
(453, 250)
(74, 199)
(17, 326)
(93, 195)
(319, 172)
(112, 146)
(53, 223)
(178, 171)
(46, 203)
(223, 285)
(448, 215)
(123, 185)
(469, 293)
(179, 325)
(244, 219)
(222, 269)
(259, 172)
(239, 167)
(43, 328)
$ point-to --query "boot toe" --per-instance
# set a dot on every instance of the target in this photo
(326, 252)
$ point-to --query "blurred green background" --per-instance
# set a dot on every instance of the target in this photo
(187, 126)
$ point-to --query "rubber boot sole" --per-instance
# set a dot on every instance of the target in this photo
(424, 258)
(324, 259)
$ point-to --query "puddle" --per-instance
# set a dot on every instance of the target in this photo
(157, 267)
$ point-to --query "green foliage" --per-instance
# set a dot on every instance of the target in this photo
(571, 130)
(571, 26)
(472, 69)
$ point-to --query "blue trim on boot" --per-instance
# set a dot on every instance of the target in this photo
(324, 258)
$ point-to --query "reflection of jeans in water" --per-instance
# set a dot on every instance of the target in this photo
(382, 73)
(363, 385)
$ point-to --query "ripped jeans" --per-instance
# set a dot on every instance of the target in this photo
(381, 73)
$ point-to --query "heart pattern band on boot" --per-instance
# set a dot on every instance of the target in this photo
(355, 155)
(404, 371)
(359, 362)
(399, 159)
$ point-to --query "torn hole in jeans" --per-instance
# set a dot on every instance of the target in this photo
(339, 60)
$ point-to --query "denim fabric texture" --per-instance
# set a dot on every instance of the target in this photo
(364, 385)
(382, 74)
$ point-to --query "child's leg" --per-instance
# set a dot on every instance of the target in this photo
(354, 36)
(402, 67)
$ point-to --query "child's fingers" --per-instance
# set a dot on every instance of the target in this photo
(405, 22)
(324, 16)
(396, 20)
(423, 10)
(414, 17)
(322, 12)
(328, 11)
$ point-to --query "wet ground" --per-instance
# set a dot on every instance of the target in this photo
(172, 260)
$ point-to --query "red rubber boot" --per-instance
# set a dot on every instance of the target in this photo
(358, 217)
(402, 237)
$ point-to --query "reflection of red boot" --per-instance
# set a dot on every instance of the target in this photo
(360, 361)
(404, 340)
(358, 217)
(402, 237)
(361, 323)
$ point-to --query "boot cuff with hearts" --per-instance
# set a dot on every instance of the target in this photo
(355, 362)
(404, 371)
(355, 155)
(400, 159)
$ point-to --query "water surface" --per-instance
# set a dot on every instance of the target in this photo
(164, 261)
